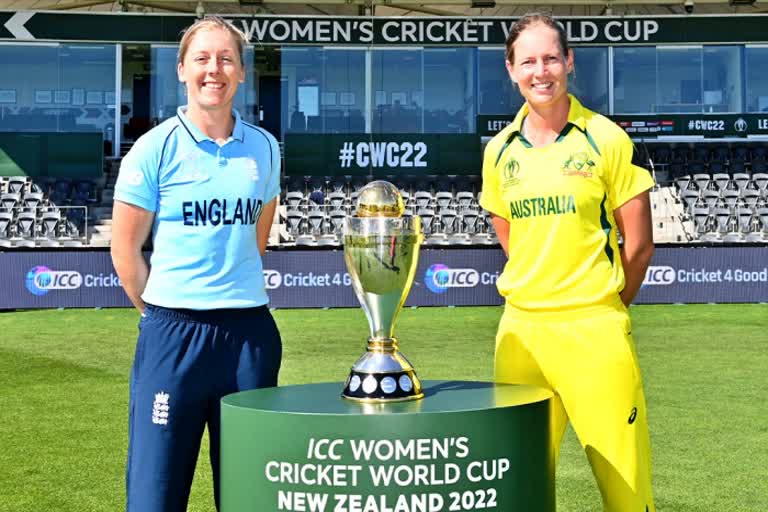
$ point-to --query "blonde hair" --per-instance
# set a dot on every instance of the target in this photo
(530, 20)
(210, 23)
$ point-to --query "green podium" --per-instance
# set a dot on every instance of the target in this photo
(465, 446)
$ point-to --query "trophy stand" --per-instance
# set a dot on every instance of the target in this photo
(381, 250)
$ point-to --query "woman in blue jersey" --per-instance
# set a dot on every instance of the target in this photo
(204, 183)
(560, 186)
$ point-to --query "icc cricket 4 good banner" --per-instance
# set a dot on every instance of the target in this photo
(444, 277)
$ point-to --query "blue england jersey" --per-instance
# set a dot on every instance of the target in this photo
(206, 199)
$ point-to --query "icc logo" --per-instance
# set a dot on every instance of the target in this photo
(40, 280)
(659, 275)
(272, 279)
(511, 170)
(740, 125)
(439, 278)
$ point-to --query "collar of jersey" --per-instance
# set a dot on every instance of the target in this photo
(198, 136)
(576, 118)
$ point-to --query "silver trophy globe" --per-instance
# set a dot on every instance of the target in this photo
(381, 250)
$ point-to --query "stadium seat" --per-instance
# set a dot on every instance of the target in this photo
(338, 184)
(50, 221)
(759, 153)
(763, 214)
(10, 200)
(85, 191)
(750, 197)
(710, 197)
(336, 199)
(741, 179)
(317, 222)
(722, 216)
(701, 179)
(423, 199)
(295, 221)
(690, 197)
(444, 199)
(448, 220)
(683, 181)
(740, 154)
(7, 227)
(427, 216)
(696, 167)
(18, 184)
(336, 218)
(680, 155)
(469, 221)
(761, 181)
(464, 199)
(721, 180)
(32, 200)
(294, 199)
(701, 219)
(27, 224)
(731, 197)
(720, 153)
(744, 216)
(737, 166)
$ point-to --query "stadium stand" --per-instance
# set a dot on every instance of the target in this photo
(705, 193)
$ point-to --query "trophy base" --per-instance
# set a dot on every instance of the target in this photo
(382, 387)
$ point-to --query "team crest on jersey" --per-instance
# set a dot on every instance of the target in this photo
(252, 168)
(579, 164)
(511, 173)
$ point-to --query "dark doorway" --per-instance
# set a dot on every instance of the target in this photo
(269, 104)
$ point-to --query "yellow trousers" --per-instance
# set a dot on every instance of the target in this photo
(588, 359)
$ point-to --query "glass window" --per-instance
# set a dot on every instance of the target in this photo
(679, 79)
(302, 74)
(58, 87)
(589, 81)
(448, 97)
(342, 92)
(396, 76)
(496, 93)
(722, 79)
(325, 89)
(167, 93)
(634, 80)
(756, 64)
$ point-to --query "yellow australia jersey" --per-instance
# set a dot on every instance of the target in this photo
(559, 200)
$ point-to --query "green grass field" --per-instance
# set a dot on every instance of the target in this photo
(64, 389)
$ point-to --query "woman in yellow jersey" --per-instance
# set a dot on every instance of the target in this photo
(560, 186)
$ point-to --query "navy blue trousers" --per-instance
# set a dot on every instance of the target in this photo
(185, 362)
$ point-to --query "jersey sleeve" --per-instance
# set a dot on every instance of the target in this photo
(491, 199)
(624, 180)
(138, 177)
(273, 184)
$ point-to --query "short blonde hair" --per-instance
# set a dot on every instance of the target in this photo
(209, 23)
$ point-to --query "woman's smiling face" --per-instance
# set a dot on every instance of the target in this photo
(539, 67)
(211, 69)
